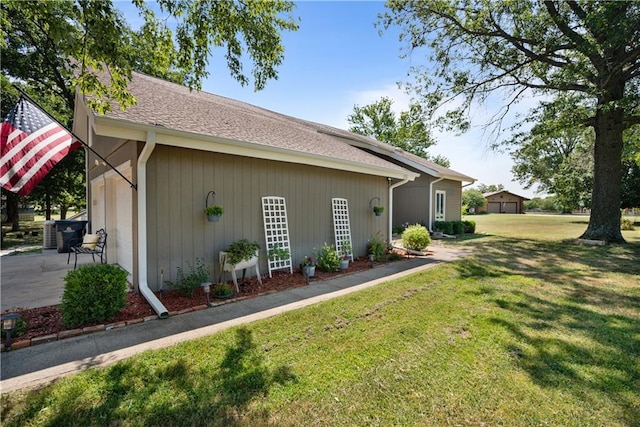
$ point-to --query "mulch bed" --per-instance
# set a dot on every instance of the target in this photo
(47, 321)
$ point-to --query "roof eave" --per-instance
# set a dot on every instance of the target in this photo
(116, 128)
(422, 168)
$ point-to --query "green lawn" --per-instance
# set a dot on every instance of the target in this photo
(528, 331)
(541, 226)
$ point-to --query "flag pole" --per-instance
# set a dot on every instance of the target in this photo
(106, 162)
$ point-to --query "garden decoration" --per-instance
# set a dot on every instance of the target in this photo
(213, 212)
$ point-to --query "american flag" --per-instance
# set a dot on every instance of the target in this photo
(32, 144)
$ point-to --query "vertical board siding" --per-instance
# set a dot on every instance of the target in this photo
(411, 202)
(453, 207)
(178, 183)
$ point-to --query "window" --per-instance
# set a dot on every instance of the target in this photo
(441, 198)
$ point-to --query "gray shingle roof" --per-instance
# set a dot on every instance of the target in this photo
(176, 107)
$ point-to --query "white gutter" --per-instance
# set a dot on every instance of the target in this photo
(391, 188)
(155, 303)
(431, 207)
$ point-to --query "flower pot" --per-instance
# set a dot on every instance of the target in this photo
(213, 218)
(378, 213)
(309, 270)
(344, 264)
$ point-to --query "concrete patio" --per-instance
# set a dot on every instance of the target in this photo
(31, 280)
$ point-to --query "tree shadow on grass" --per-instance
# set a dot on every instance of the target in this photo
(572, 331)
(556, 348)
(161, 392)
(553, 262)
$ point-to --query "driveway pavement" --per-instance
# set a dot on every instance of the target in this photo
(39, 364)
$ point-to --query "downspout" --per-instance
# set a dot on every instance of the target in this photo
(431, 203)
(155, 303)
(391, 188)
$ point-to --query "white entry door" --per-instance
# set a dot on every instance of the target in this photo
(124, 228)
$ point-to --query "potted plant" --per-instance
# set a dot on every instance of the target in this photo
(213, 213)
(222, 290)
(240, 255)
(242, 250)
(378, 210)
(345, 249)
(308, 266)
(344, 261)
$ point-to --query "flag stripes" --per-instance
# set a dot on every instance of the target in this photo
(32, 144)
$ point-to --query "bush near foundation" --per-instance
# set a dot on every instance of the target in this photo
(455, 227)
(416, 237)
(93, 294)
(469, 227)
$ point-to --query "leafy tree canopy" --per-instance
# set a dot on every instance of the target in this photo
(490, 188)
(409, 131)
(71, 43)
(473, 198)
(50, 48)
(478, 49)
(557, 152)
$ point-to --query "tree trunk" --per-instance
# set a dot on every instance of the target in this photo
(604, 223)
(13, 210)
(47, 206)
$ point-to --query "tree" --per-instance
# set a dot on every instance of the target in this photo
(491, 188)
(73, 43)
(409, 131)
(473, 198)
(486, 48)
(51, 49)
(557, 152)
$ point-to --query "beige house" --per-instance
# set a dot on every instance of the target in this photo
(435, 195)
(503, 202)
(177, 146)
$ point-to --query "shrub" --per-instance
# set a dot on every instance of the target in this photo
(189, 282)
(222, 290)
(416, 237)
(327, 258)
(626, 224)
(93, 294)
(469, 226)
(376, 246)
(444, 226)
(458, 227)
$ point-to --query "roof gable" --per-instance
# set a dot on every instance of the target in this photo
(495, 193)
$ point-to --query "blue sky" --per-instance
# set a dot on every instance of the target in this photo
(338, 59)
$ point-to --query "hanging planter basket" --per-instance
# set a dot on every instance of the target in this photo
(213, 212)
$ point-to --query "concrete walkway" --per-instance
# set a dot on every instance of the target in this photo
(43, 363)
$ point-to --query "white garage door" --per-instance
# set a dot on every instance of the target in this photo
(494, 207)
(510, 207)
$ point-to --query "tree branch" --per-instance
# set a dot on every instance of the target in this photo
(581, 44)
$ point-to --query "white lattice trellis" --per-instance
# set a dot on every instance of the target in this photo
(276, 230)
(341, 227)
